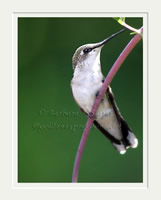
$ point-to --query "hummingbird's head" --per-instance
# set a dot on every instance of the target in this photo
(85, 55)
(88, 54)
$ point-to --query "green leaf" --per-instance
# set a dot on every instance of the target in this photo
(120, 20)
(133, 33)
(116, 18)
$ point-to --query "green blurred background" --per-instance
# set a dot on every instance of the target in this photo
(50, 124)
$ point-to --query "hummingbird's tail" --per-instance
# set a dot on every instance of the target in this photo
(128, 140)
(131, 141)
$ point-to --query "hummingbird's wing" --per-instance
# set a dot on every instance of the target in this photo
(119, 133)
(110, 122)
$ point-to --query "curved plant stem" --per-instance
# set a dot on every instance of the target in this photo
(139, 31)
(107, 81)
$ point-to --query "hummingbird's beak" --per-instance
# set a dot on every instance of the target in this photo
(107, 39)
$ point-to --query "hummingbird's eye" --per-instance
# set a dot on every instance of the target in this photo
(86, 50)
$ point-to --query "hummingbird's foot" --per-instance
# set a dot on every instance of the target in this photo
(98, 96)
(91, 115)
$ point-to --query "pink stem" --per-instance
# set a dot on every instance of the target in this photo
(129, 27)
(107, 81)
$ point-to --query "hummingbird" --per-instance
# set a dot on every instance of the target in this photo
(86, 83)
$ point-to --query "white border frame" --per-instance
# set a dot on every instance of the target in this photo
(15, 183)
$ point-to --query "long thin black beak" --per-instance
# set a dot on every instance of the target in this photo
(107, 39)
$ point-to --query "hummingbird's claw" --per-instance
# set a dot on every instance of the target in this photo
(91, 115)
(98, 96)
